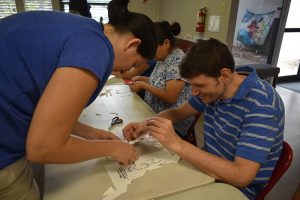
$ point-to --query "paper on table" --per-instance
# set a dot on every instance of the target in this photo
(110, 194)
(122, 176)
(119, 134)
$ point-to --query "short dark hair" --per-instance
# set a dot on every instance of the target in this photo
(206, 57)
(166, 31)
(138, 24)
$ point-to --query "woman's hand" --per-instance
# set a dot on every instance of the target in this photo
(137, 86)
(124, 153)
(144, 79)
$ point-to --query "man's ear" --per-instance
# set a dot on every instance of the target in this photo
(133, 43)
(226, 74)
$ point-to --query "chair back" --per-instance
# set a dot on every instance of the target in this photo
(190, 136)
(282, 165)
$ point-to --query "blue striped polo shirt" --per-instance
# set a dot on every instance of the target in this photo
(249, 125)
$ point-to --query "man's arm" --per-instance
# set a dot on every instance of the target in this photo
(239, 172)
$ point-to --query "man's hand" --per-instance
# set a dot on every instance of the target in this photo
(133, 130)
(162, 129)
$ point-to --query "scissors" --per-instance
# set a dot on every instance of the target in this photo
(116, 120)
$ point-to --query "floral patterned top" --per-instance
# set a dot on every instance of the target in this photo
(164, 71)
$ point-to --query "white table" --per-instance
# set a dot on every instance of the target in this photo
(88, 180)
(211, 191)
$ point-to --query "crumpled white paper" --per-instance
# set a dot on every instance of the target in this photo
(122, 176)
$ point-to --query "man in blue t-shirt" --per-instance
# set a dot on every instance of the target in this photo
(243, 120)
(52, 65)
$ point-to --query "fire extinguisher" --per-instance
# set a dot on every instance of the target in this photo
(201, 19)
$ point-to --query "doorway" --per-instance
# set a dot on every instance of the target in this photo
(289, 57)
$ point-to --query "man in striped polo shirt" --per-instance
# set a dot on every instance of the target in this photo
(243, 119)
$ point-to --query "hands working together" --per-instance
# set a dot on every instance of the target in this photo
(125, 153)
(138, 83)
(158, 127)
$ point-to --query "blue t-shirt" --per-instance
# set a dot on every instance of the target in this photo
(32, 46)
(249, 125)
(150, 69)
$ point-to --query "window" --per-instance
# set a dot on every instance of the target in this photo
(7, 7)
(38, 5)
(98, 8)
(289, 59)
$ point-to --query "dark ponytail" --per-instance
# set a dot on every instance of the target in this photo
(166, 31)
(138, 24)
(117, 11)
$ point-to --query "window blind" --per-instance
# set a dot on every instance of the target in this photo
(98, 8)
(38, 5)
(7, 7)
(98, 11)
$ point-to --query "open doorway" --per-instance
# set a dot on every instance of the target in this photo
(289, 57)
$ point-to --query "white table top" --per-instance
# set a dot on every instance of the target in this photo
(211, 191)
(88, 180)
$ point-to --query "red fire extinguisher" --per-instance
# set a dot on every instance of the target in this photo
(201, 19)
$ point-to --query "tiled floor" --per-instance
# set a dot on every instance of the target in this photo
(295, 86)
(242, 56)
(287, 185)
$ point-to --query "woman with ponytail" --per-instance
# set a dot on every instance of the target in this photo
(165, 88)
(53, 65)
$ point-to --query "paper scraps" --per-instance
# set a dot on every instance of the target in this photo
(122, 176)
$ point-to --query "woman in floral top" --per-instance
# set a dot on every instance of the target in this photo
(165, 88)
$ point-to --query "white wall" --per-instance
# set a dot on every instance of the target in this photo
(151, 8)
(185, 12)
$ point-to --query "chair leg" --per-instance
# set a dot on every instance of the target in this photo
(296, 195)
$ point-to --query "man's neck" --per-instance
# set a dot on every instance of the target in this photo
(233, 86)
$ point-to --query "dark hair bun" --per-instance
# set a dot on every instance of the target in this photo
(117, 11)
(175, 28)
